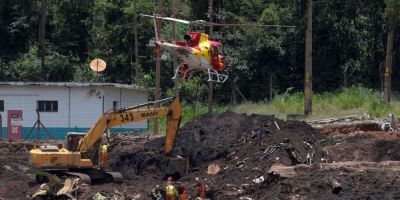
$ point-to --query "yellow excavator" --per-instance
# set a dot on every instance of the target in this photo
(79, 156)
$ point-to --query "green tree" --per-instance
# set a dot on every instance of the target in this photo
(15, 28)
(28, 66)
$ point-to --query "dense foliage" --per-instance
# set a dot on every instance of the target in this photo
(349, 39)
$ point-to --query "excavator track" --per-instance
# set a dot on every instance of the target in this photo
(94, 176)
(84, 178)
(88, 176)
(117, 177)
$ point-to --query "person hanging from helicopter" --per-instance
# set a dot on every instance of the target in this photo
(185, 74)
(216, 56)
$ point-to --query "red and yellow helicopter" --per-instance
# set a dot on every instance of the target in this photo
(198, 52)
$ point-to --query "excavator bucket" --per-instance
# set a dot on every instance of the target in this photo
(173, 121)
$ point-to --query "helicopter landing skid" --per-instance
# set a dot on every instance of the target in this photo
(213, 75)
(185, 76)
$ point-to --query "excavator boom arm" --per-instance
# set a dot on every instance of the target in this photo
(115, 118)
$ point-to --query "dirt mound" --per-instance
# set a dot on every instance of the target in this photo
(14, 148)
(344, 180)
(364, 148)
(258, 157)
(244, 146)
(225, 136)
(14, 161)
(231, 135)
(336, 129)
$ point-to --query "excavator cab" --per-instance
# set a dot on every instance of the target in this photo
(72, 140)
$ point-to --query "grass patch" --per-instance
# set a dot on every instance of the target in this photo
(353, 97)
(347, 101)
(289, 103)
(379, 108)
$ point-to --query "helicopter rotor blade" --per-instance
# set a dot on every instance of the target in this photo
(250, 25)
(205, 23)
(177, 20)
(169, 19)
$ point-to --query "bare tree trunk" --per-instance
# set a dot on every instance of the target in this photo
(158, 26)
(174, 58)
(42, 37)
(233, 95)
(210, 83)
(387, 90)
(345, 76)
(137, 69)
(308, 63)
(270, 87)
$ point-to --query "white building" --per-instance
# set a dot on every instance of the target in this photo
(64, 107)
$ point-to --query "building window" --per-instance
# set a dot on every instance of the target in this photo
(47, 106)
(1, 105)
(115, 105)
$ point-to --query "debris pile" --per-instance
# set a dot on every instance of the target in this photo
(364, 148)
(353, 124)
(237, 156)
(14, 166)
(243, 147)
(259, 157)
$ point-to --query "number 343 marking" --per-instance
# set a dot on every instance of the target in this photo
(126, 118)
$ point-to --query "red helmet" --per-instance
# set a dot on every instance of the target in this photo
(170, 178)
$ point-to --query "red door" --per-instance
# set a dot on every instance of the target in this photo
(14, 125)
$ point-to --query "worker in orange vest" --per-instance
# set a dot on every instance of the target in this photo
(201, 189)
(183, 194)
(170, 190)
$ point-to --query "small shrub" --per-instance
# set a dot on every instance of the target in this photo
(289, 103)
(352, 97)
(379, 109)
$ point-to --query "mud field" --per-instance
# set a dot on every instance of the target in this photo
(258, 157)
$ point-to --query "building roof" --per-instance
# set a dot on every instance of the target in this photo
(75, 84)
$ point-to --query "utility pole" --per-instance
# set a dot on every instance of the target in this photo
(42, 35)
(210, 83)
(270, 87)
(308, 63)
(1, 128)
(387, 89)
(173, 36)
(135, 27)
(158, 26)
(233, 97)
